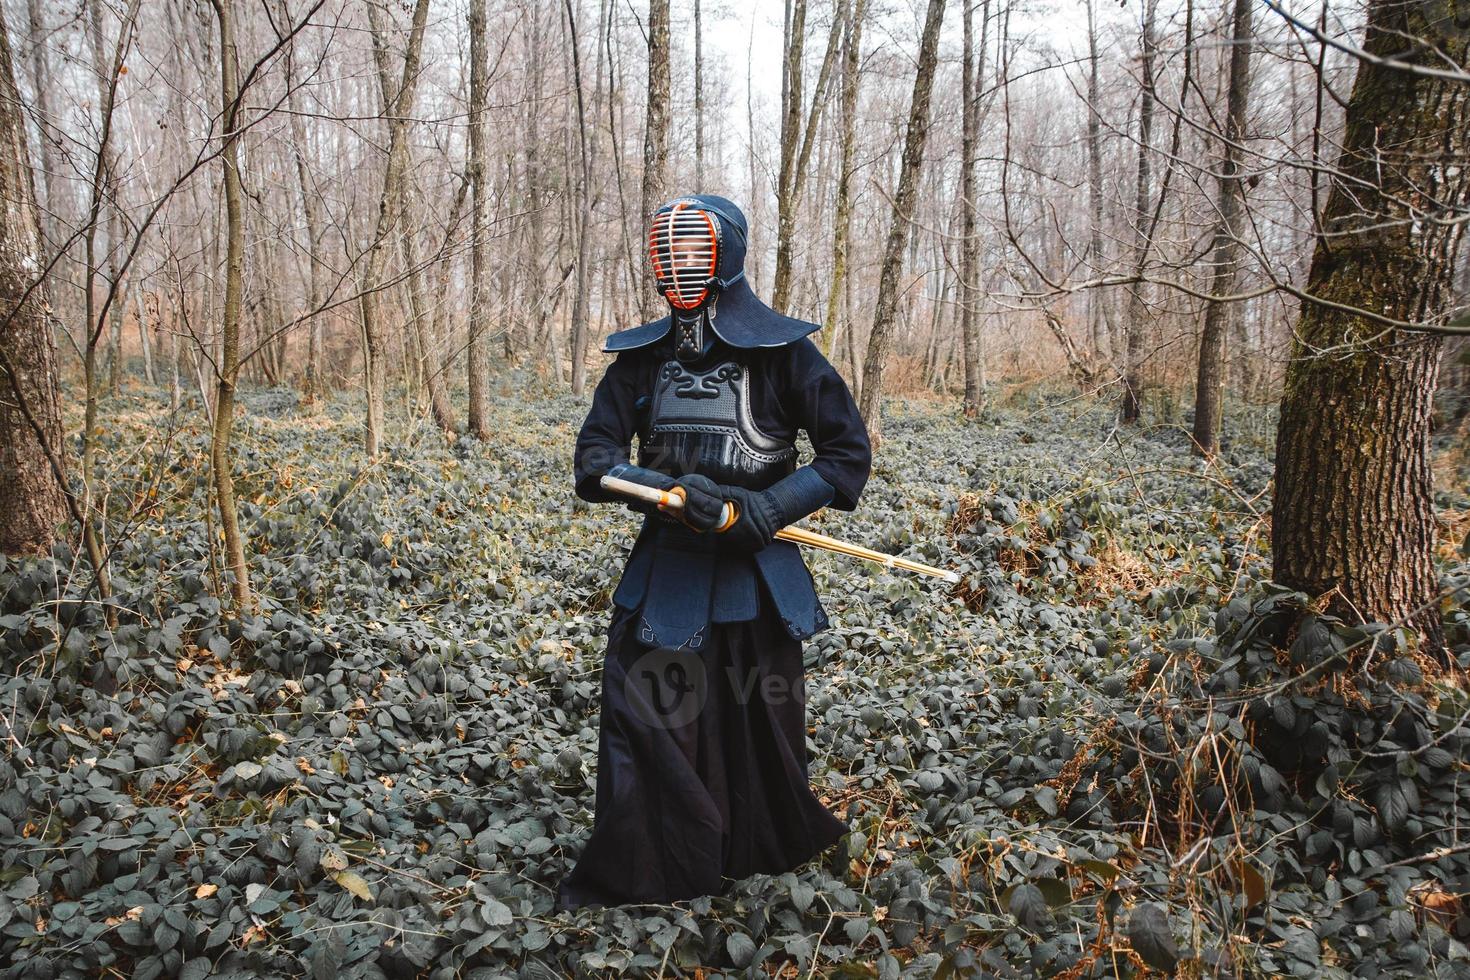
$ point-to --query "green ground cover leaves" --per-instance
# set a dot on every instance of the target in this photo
(1114, 748)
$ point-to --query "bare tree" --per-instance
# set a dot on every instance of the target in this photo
(1094, 183)
(1228, 232)
(1137, 309)
(970, 242)
(397, 110)
(796, 139)
(655, 137)
(312, 387)
(221, 461)
(698, 97)
(421, 325)
(854, 13)
(903, 210)
(103, 196)
(478, 365)
(45, 122)
(584, 217)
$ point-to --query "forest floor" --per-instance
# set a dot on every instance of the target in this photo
(1113, 748)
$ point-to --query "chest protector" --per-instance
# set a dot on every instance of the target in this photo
(700, 422)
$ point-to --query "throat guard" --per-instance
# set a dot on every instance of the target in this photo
(692, 334)
(700, 422)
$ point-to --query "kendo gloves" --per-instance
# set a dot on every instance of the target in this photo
(759, 514)
(764, 512)
(702, 501)
(703, 504)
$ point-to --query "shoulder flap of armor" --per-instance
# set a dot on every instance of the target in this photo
(639, 336)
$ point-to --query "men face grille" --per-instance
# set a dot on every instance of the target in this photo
(681, 246)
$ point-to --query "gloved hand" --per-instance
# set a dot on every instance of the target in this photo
(756, 523)
(703, 503)
(761, 513)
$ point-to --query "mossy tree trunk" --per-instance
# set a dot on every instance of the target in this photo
(1353, 517)
(854, 12)
(32, 503)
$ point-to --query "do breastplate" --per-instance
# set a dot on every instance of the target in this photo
(700, 422)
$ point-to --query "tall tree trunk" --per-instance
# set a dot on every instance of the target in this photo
(312, 384)
(103, 195)
(102, 190)
(389, 211)
(969, 242)
(229, 364)
(794, 45)
(854, 12)
(584, 216)
(698, 99)
(533, 262)
(479, 367)
(797, 142)
(1137, 309)
(752, 258)
(655, 142)
(45, 124)
(903, 210)
(616, 115)
(1211, 381)
(422, 325)
(32, 503)
(104, 74)
(1353, 514)
(1096, 298)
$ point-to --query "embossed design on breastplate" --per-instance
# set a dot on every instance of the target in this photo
(700, 422)
(687, 384)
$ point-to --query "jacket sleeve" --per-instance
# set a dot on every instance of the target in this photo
(817, 400)
(607, 432)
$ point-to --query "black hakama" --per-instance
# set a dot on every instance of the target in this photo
(702, 767)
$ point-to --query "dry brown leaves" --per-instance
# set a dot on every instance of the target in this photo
(1117, 571)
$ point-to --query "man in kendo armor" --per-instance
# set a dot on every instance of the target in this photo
(702, 763)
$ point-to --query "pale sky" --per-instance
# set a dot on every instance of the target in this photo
(755, 29)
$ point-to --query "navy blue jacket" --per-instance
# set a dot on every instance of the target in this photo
(679, 578)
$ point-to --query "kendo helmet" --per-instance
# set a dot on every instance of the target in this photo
(696, 247)
(696, 251)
